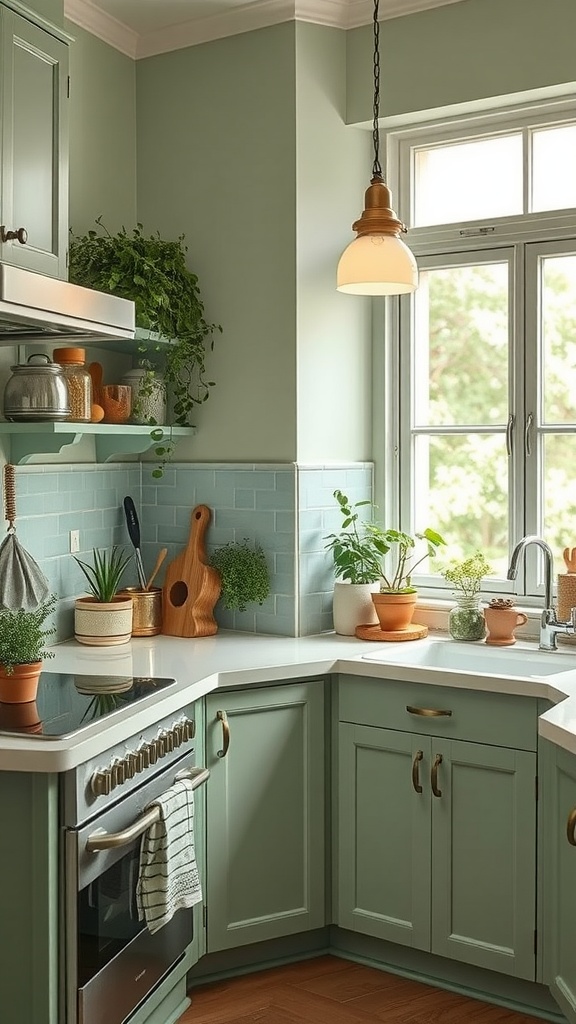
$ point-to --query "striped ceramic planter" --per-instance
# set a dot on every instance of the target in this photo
(103, 624)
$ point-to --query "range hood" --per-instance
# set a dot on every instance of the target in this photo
(38, 308)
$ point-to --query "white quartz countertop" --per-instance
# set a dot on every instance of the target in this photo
(229, 659)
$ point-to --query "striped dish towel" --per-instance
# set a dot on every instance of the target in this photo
(168, 877)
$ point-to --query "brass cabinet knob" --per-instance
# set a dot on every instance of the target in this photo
(20, 235)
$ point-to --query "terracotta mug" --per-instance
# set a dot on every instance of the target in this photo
(501, 623)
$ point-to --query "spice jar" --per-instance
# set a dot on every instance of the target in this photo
(79, 382)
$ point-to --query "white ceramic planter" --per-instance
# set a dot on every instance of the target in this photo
(103, 625)
(353, 606)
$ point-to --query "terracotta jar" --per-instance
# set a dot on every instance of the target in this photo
(501, 623)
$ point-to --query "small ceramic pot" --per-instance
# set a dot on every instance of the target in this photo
(501, 623)
(352, 606)
(99, 624)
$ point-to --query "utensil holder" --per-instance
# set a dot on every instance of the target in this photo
(566, 600)
(146, 610)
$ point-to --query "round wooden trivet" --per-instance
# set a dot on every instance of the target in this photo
(412, 632)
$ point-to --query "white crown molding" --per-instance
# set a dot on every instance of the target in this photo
(344, 14)
(98, 23)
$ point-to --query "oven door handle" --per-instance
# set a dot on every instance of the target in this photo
(99, 841)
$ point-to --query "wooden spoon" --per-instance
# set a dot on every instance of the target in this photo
(570, 559)
(161, 556)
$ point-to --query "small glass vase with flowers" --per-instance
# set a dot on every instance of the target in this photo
(466, 619)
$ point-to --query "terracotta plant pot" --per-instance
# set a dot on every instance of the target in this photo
(101, 624)
(394, 610)
(21, 686)
(501, 623)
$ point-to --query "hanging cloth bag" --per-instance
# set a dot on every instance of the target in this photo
(22, 582)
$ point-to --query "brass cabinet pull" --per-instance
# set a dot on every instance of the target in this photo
(222, 717)
(21, 235)
(428, 712)
(416, 771)
(571, 827)
(434, 775)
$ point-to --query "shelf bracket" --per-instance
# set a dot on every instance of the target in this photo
(25, 447)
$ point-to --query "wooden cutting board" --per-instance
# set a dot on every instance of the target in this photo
(191, 587)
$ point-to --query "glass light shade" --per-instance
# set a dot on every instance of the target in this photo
(377, 265)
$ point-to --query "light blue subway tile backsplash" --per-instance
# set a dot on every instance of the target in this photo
(285, 508)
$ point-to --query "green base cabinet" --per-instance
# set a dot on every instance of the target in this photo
(559, 877)
(436, 841)
(33, 145)
(265, 813)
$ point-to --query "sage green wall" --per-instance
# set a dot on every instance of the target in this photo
(102, 134)
(333, 336)
(461, 54)
(217, 161)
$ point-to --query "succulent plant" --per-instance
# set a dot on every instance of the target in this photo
(502, 602)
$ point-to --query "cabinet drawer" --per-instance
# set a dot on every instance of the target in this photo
(477, 715)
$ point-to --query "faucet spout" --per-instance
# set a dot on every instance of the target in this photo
(548, 565)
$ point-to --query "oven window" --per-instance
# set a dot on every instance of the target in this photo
(107, 915)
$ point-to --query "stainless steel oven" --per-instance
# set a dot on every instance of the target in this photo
(112, 962)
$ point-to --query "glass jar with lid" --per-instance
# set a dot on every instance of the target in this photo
(79, 382)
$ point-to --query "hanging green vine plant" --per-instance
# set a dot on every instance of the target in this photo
(152, 272)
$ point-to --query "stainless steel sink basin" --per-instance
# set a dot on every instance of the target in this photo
(481, 660)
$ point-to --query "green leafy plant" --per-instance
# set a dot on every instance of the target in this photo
(466, 575)
(105, 575)
(153, 273)
(399, 579)
(22, 636)
(243, 573)
(360, 546)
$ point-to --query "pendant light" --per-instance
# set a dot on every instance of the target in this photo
(377, 262)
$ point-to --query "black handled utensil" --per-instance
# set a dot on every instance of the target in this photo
(134, 532)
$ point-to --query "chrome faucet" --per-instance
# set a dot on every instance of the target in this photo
(550, 626)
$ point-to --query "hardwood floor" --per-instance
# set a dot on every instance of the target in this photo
(328, 990)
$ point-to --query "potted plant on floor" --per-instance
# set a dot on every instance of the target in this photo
(244, 574)
(23, 639)
(357, 551)
(396, 598)
(105, 618)
(152, 271)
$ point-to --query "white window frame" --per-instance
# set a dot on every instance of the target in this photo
(439, 241)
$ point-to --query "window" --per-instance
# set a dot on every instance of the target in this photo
(484, 354)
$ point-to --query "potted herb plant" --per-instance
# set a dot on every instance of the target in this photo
(244, 574)
(104, 618)
(152, 271)
(23, 639)
(357, 551)
(466, 619)
(396, 598)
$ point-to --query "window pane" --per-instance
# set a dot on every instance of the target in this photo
(463, 493)
(461, 346)
(558, 336)
(559, 492)
(468, 181)
(553, 162)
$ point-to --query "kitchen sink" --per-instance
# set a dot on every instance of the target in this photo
(481, 660)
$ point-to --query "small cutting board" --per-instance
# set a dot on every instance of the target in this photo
(191, 586)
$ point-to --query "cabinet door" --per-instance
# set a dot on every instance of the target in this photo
(560, 879)
(34, 150)
(383, 865)
(484, 856)
(265, 814)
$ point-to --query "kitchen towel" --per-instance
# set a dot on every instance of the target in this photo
(168, 875)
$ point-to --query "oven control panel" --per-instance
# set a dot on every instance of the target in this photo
(124, 767)
(121, 769)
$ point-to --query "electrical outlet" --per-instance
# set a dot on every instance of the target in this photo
(74, 541)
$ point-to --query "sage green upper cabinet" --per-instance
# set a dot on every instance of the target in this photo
(436, 835)
(34, 146)
(265, 813)
(559, 877)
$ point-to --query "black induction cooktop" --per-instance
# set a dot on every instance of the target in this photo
(67, 703)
